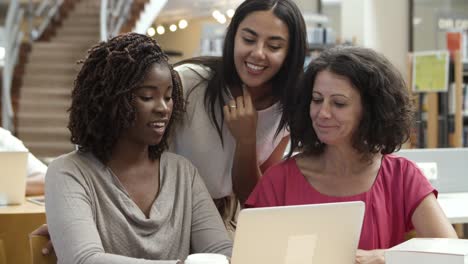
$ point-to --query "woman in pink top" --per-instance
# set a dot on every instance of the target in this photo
(352, 112)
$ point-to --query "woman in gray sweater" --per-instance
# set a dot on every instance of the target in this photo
(120, 198)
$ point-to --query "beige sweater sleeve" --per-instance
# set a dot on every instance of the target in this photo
(208, 231)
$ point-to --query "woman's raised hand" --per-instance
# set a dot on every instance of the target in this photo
(241, 118)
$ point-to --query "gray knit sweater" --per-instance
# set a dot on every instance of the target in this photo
(92, 219)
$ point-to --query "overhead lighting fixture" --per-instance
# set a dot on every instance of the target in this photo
(219, 16)
(222, 19)
(230, 13)
(216, 14)
(183, 24)
(161, 30)
(151, 32)
(172, 27)
(2, 53)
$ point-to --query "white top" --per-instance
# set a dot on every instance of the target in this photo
(10, 143)
(197, 138)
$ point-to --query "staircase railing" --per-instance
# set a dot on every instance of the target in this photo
(46, 10)
(149, 14)
(114, 13)
(12, 37)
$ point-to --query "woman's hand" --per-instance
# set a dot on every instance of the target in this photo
(241, 118)
(370, 256)
(43, 230)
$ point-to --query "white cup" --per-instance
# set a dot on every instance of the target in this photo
(206, 258)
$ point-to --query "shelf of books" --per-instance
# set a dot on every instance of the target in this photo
(441, 97)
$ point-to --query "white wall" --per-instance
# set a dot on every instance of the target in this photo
(352, 21)
(378, 24)
(391, 31)
(307, 5)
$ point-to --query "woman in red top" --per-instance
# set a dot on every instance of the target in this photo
(352, 112)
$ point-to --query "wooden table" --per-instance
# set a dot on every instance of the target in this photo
(16, 223)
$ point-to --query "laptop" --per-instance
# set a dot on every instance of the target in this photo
(13, 166)
(318, 233)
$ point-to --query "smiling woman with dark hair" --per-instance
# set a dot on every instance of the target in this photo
(234, 128)
(120, 198)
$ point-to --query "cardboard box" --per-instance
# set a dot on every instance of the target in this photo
(429, 251)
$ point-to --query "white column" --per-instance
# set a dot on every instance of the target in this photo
(378, 24)
(352, 21)
(391, 31)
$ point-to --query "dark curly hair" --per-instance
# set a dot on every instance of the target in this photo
(103, 91)
(387, 109)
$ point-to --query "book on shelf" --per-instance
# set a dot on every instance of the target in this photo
(458, 40)
(429, 251)
(464, 49)
(454, 42)
(451, 99)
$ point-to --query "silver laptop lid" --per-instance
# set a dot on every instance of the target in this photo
(318, 233)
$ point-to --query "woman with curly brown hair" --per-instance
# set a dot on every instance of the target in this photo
(352, 111)
(120, 198)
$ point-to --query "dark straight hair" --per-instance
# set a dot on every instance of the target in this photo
(224, 73)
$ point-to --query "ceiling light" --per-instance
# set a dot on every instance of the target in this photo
(2, 53)
(151, 31)
(160, 30)
(172, 27)
(216, 14)
(183, 24)
(222, 19)
(230, 13)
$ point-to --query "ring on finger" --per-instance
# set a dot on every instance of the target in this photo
(233, 106)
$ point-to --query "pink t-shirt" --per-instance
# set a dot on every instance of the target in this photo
(397, 191)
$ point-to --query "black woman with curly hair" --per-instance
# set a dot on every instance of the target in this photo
(352, 111)
(120, 198)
